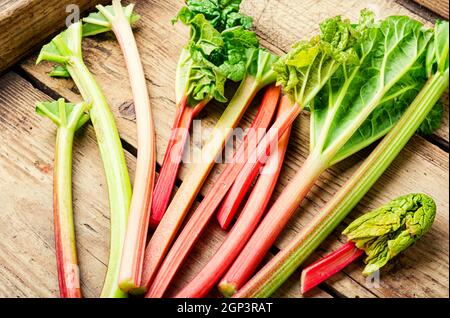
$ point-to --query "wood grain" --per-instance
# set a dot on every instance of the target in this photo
(24, 24)
(28, 267)
(421, 272)
(438, 6)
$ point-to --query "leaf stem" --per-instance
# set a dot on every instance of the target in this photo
(331, 264)
(198, 221)
(115, 168)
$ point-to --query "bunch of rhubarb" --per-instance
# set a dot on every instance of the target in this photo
(319, 59)
(419, 115)
(359, 104)
(251, 65)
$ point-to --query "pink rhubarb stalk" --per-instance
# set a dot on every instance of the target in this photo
(172, 159)
(249, 218)
(238, 190)
(139, 214)
(331, 264)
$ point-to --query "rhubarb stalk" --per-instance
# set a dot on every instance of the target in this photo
(198, 171)
(271, 276)
(69, 118)
(172, 159)
(65, 49)
(331, 264)
(249, 218)
(243, 181)
(119, 20)
(348, 115)
(198, 221)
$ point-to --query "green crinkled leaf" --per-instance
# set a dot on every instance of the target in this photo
(52, 110)
(310, 64)
(441, 36)
(389, 230)
(363, 101)
(222, 14)
(237, 42)
(212, 56)
(96, 22)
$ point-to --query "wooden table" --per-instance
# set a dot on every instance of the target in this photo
(27, 261)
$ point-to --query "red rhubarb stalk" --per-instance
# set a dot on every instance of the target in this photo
(238, 190)
(249, 218)
(172, 159)
(208, 206)
(69, 118)
(331, 264)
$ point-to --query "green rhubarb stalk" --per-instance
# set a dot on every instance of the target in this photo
(278, 270)
(118, 19)
(65, 49)
(260, 74)
(359, 104)
(69, 118)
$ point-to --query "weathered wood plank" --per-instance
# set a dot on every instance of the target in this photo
(277, 23)
(29, 22)
(438, 6)
(28, 267)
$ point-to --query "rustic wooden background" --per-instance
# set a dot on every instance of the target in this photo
(27, 262)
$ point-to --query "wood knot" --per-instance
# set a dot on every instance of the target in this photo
(43, 167)
(126, 110)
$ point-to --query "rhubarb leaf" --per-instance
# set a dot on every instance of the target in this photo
(363, 101)
(389, 230)
(99, 22)
(237, 42)
(310, 64)
(223, 14)
(211, 56)
(64, 114)
(59, 71)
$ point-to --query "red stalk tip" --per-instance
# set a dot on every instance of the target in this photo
(328, 266)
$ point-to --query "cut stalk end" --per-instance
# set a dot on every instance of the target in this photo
(227, 289)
